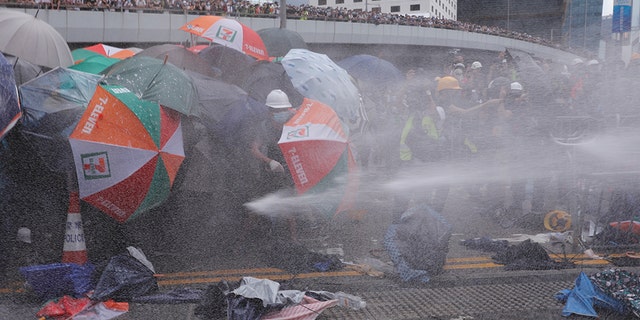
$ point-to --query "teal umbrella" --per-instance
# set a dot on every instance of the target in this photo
(94, 64)
(155, 80)
(53, 103)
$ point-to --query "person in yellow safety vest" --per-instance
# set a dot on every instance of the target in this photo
(422, 142)
(449, 95)
(421, 137)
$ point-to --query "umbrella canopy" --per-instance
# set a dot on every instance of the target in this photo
(23, 70)
(261, 77)
(102, 50)
(127, 152)
(53, 103)
(28, 38)
(232, 64)
(228, 32)
(317, 77)
(180, 57)
(94, 64)
(316, 148)
(371, 71)
(279, 41)
(10, 111)
(197, 48)
(215, 98)
(155, 80)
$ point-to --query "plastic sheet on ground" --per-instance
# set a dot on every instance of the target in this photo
(124, 278)
(584, 297)
(58, 279)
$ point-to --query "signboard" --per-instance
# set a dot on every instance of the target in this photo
(621, 21)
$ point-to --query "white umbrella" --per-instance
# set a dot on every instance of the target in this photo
(317, 77)
(33, 40)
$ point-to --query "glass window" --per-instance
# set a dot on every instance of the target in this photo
(395, 8)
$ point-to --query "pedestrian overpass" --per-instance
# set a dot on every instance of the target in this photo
(143, 27)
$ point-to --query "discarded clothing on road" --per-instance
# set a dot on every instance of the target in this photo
(261, 299)
(527, 255)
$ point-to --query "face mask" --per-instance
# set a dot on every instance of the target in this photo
(281, 117)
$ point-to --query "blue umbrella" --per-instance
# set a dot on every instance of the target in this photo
(10, 111)
(371, 71)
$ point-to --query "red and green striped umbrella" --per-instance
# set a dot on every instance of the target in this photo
(127, 152)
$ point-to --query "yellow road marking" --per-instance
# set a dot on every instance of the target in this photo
(219, 272)
(170, 282)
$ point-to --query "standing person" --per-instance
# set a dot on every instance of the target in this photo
(422, 141)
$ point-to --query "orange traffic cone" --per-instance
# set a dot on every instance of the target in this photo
(75, 249)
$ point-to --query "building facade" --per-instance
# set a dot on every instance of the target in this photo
(445, 9)
(572, 23)
(582, 24)
(542, 18)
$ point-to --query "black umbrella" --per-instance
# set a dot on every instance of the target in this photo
(215, 98)
(262, 76)
(279, 41)
(231, 63)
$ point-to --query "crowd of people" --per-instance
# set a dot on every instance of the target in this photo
(500, 116)
(305, 12)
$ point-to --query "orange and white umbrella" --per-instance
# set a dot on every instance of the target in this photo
(316, 147)
(126, 151)
(101, 49)
(228, 32)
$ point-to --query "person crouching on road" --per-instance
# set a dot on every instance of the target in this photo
(265, 143)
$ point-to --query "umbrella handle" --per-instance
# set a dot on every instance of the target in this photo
(166, 56)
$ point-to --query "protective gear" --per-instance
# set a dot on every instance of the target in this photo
(277, 99)
(498, 82)
(516, 86)
(577, 61)
(458, 66)
(448, 82)
(275, 166)
(476, 65)
(24, 235)
(281, 117)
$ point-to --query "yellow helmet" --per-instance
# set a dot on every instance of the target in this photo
(448, 82)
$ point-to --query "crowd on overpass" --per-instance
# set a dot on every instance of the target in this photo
(244, 8)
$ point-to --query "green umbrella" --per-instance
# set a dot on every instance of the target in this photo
(94, 64)
(155, 80)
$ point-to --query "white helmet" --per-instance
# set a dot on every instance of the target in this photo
(516, 86)
(476, 65)
(277, 99)
(24, 235)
